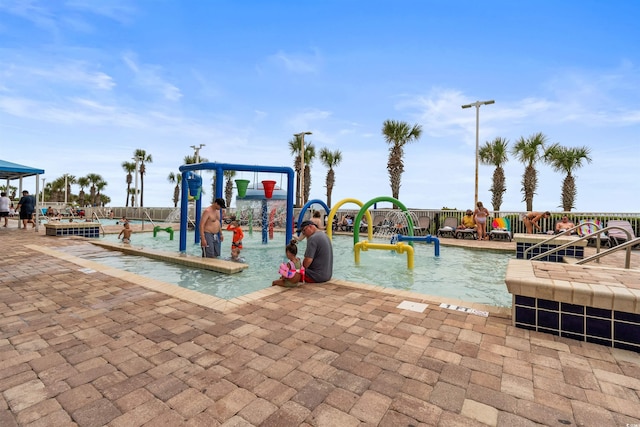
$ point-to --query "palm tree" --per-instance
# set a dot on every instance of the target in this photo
(495, 153)
(129, 168)
(567, 160)
(528, 152)
(70, 180)
(144, 158)
(309, 155)
(330, 159)
(94, 179)
(57, 187)
(398, 134)
(100, 186)
(104, 200)
(177, 179)
(295, 146)
(228, 187)
(82, 182)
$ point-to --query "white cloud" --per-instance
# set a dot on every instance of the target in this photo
(149, 76)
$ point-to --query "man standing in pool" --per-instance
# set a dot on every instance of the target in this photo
(210, 225)
(318, 257)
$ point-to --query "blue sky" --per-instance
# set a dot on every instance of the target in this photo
(83, 83)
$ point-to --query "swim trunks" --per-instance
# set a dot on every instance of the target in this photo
(213, 245)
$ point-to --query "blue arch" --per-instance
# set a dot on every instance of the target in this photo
(307, 205)
(219, 169)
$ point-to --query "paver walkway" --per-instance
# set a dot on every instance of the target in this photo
(88, 349)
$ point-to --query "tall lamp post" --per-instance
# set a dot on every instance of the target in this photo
(477, 104)
(301, 191)
(135, 194)
(197, 152)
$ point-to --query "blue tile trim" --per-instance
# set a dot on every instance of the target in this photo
(606, 327)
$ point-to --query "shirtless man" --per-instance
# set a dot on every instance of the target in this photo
(210, 225)
(564, 225)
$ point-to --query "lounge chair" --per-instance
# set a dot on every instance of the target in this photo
(501, 229)
(422, 227)
(448, 228)
(467, 233)
(586, 229)
(618, 236)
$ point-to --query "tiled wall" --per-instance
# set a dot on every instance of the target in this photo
(572, 251)
(80, 230)
(606, 327)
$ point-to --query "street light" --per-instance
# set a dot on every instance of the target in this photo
(197, 152)
(477, 104)
(301, 191)
(135, 194)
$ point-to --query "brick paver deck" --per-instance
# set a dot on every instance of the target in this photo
(82, 347)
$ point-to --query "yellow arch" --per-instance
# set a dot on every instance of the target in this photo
(334, 210)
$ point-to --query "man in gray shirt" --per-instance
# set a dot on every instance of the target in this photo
(318, 257)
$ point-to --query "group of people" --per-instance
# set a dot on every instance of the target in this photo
(26, 206)
(478, 220)
(315, 267)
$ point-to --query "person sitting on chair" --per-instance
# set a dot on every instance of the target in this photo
(467, 221)
(564, 225)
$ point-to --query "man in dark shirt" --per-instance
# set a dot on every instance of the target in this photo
(27, 207)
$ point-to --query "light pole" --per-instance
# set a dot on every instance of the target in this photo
(42, 190)
(477, 104)
(66, 176)
(301, 192)
(197, 152)
(135, 190)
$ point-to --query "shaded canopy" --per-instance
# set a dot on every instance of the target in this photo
(10, 170)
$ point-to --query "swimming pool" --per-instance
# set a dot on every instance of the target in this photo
(466, 274)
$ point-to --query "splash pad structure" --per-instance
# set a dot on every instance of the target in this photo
(188, 173)
(394, 224)
(266, 202)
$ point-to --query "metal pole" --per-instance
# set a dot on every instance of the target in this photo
(475, 198)
(477, 104)
(135, 190)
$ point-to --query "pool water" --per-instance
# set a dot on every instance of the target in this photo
(466, 274)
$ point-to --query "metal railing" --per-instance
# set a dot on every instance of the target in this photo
(598, 254)
(150, 220)
(626, 245)
(564, 233)
(95, 215)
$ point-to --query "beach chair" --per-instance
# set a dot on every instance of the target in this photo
(618, 236)
(501, 229)
(467, 233)
(585, 229)
(422, 227)
(448, 228)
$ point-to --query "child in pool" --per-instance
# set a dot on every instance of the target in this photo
(235, 255)
(238, 234)
(125, 233)
(291, 272)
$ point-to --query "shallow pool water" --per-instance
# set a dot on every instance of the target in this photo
(470, 275)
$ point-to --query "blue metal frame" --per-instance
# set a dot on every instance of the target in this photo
(219, 169)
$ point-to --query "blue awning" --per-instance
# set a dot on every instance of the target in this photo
(10, 170)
